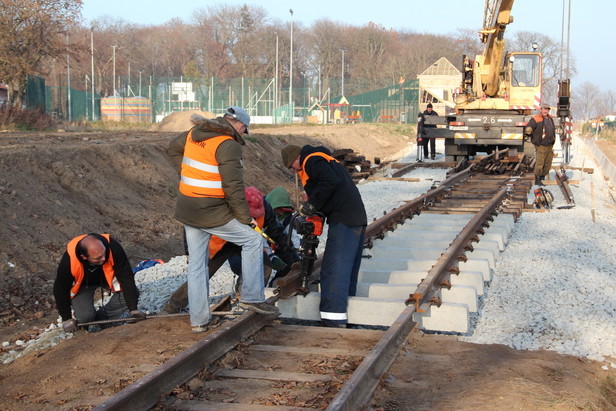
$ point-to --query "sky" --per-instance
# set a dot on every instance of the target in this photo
(592, 33)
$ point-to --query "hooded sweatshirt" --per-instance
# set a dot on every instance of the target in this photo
(206, 212)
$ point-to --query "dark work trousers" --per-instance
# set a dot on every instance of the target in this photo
(341, 261)
(432, 142)
(543, 162)
(83, 306)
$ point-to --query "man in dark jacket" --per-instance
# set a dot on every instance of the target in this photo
(211, 201)
(424, 139)
(263, 213)
(331, 192)
(542, 134)
(91, 262)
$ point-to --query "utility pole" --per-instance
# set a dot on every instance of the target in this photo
(342, 83)
(276, 84)
(291, 70)
(68, 83)
(92, 64)
(114, 77)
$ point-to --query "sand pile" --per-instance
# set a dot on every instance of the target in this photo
(180, 121)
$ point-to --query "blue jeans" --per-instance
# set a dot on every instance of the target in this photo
(341, 261)
(198, 240)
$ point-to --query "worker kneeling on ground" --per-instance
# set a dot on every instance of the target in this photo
(211, 201)
(221, 250)
(331, 192)
(91, 262)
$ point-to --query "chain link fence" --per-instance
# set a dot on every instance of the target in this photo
(157, 97)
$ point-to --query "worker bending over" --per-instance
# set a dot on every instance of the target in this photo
(332, 193)
(221, 251)
(211, 201)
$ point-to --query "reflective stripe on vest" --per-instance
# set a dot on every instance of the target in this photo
(303, 176)
(200, 176)
(77, 266)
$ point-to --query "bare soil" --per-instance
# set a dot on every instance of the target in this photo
(56, 185)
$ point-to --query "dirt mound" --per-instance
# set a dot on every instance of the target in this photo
(180, 121)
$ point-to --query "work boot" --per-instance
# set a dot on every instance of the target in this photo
(214, 322)
(261, 308)
(538, 181)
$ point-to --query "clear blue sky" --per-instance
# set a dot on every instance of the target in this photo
(593, 29)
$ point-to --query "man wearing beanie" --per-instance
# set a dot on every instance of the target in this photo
(332, 193)
(211, 201)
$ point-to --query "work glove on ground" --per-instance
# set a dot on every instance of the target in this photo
(70, 326)
(137, 315)
(277, 263)
(308, 209)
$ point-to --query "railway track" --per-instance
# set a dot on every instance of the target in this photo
(254, 362)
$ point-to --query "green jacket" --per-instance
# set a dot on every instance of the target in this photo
(206, 212)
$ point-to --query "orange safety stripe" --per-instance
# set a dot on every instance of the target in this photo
(77, 266)
(303, 176)
(200, 176)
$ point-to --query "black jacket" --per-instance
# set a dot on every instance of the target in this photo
(330, 189)
(537, 124)
(123, 272)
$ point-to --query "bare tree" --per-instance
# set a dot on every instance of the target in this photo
(32, 32)
(585, 100)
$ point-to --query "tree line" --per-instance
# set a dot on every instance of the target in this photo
(224, 41)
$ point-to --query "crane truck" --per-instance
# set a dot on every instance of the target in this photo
(498, 94)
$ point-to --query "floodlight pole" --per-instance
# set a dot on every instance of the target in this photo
(291, 69)
(114, 78)
(342, 84)
(68, 83)
(92, 64)
(276, 83)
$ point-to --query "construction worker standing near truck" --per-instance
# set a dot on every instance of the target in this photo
(332, 193)
(91, 262)
(211, 201)
(543, 135)
(427, 140)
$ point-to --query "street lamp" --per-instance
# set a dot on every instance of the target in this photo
(114, 79)
(342, 85)
(92, 63)
(291, 69)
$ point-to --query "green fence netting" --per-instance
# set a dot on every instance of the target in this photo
(260, 97)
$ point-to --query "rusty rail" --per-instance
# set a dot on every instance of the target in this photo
(359, 388)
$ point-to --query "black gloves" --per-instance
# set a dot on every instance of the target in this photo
(308, 209)
(277, 263)
(69, 326)
(137, 315)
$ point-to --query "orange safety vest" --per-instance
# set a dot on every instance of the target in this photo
(303, 176)
(200, 176)
(77, 267)
(217, 243)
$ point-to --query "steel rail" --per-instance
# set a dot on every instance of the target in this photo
(289, 285)
(145, 392)
(358, 390)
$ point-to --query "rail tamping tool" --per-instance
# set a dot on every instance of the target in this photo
(309, 228)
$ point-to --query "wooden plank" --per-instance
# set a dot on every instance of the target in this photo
(307, 350)
(412, 180)
(195, 405)
(271, 375)
(329, 330)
